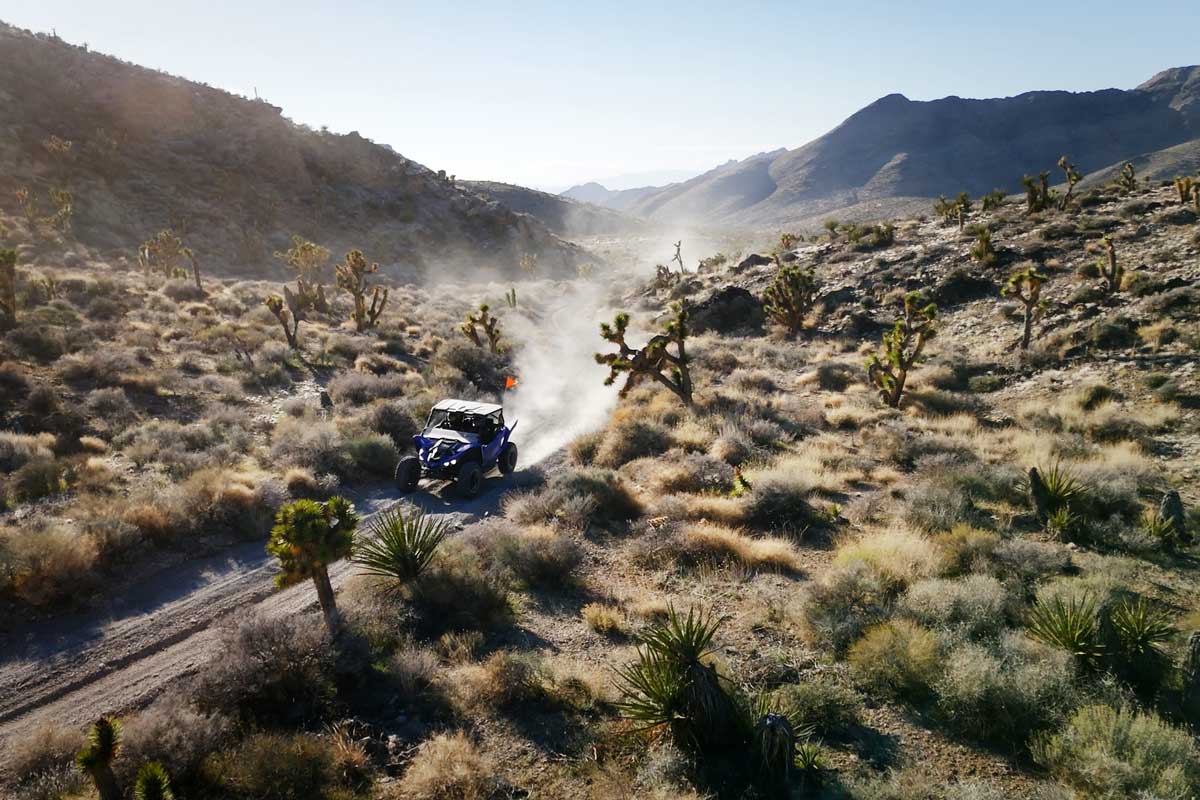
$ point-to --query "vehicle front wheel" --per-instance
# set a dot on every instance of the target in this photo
(508, 459)
(408, 473)
(469, 480)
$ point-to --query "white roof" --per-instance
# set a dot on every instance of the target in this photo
(467, 407)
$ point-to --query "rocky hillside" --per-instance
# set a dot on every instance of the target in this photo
(140, 151)
(563, 215)
(896, 149)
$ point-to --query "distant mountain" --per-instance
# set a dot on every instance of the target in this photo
(896, 149)
(618, 199)
(564, 216)
(141, 151)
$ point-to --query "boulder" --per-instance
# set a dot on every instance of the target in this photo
(754, 260)
(728, 309)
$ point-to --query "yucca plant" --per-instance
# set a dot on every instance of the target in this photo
(1160, 528)
(95, 759)
(1141, 628)
(671, 686)
(400, 545)
(152, 783)
(1069, 626)
(1053, 489)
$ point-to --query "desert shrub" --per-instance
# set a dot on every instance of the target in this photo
(974, 606)
(732, 445)
(505, 681)
(897, 659)
(458, 592)
(361, 388)
(393, 420)
(372, 454)
(536, 556)
(39, 477)
(578, 497)
(832, 376)
(1113, 332)
(778, 501)
(43, 563)
(447, 767)
(682, 472)
(44, 750)
(822, 703)
(220, 500)
(18, 449)
(173, 734)
(842, 604)
(1004, 692)
(40, 342)
(604, 618)
(1029, 561)
(113, 408)
(316, 445)
(635, 438)
(1110, 753)
(966, 549)
(270, 670)
(277, 766)
(582, 449)
(182, 290)
(220, 439)
(13, 385)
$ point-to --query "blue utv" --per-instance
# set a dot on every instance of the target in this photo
(462, 441)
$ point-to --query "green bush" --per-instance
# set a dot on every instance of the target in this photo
(1108, 753)
(276, 766)
(631, 439)
(897, 659)
(974, 606)
(457, 592)
(826, 705)
(373, 454)
(842, 604)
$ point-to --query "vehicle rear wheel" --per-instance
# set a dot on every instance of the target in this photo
(408, 473)
(508, 459)
(470, 479)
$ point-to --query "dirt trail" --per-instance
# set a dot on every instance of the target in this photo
(75, 668)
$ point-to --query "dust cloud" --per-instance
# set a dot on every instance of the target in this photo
(561, 393)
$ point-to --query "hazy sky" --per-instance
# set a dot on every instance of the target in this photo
(549, 94)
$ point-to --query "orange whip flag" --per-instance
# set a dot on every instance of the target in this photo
(509, 382)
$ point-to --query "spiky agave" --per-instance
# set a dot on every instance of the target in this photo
(1069, 626)
(400, 545)
(152, 783)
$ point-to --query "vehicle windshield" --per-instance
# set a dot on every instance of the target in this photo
(482, 426)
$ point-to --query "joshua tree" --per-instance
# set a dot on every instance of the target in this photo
(309, 536)
(1072, 176)
(790, 296)
(1170, 510)
(8, 289)
(1127, 182)
(831, 226)
(166, 253)
(1110, 270)
(1038, 193)
(289, 317)
(352, 277)
(1026, 286)
(1189, 677)
(902, 348)
(984, 251)
(96, 758)
(309, 261)
(678, 258)
(654, 360)
(152, 783)
(491, 328)
(64, 209)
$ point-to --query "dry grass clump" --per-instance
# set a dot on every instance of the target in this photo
(173, 734)
(604, 618)
(731, 445)
(46, 750)
(899, 557)
(779, 501)
(576, 498)
(505, 681)
(458, 591)
(279, 766)
(974, 606)
(447, 767)
(46, 561)
(18, 449)
(717, 545)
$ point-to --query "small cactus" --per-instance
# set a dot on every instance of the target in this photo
(1026, 286)
(654, 360)
(490, 325)
(352, 277)
(96, 758)
(790, 297)
(8, 289)
(510, 297)
(902, 347)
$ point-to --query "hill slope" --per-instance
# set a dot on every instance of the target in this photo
(562, 215)
(899, 148)
(149, 151)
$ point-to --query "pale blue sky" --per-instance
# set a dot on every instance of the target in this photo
(548, 94)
